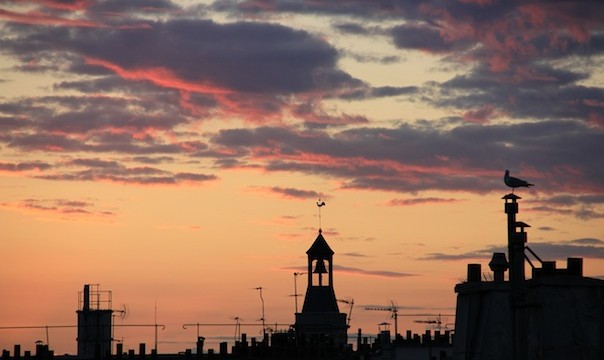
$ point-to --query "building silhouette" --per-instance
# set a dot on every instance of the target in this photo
(558, 314)
(94, 323)
(320, 326)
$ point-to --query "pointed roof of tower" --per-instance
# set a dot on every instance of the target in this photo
(320, 248)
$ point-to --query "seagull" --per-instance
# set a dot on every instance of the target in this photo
(514, 182)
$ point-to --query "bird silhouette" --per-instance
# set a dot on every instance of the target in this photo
(514, 182)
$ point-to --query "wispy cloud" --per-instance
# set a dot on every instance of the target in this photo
(293, 193)
(546, 228)
(24, 166)
(362, 272)
(64, 208)
(354, 254)
(585, 206)
(410, 158)
(380, 273)
(585, 247)
(94, 169)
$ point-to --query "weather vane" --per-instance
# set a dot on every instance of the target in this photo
(320, 204)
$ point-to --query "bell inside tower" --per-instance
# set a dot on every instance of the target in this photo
(319, 270)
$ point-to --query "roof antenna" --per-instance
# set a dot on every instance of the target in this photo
(320, 204)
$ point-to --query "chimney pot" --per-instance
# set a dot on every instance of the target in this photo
(499, 265)
(574, 266)
(474, 273)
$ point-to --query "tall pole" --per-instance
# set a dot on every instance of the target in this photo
(395, 316)
(296, 292)
(155, 318)
(296, 274)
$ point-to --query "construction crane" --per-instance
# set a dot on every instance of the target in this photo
(351, 303)
(438, 321)
(393, 309)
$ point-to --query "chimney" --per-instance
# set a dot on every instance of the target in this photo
(549, 268)
(574, 266)
(474, 273)
(499, 265)
(86, 304)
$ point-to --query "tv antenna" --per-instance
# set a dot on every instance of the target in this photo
(394, 313)
(259, 288)
(121, 314)
(295, 295)
(320, 204)
(237, 328)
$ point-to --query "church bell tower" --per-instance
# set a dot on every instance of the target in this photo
(320, 323)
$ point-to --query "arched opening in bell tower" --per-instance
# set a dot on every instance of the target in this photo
(320, 273)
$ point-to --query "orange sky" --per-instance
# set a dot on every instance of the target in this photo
(174, 154)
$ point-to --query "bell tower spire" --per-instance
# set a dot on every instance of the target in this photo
(320, 267)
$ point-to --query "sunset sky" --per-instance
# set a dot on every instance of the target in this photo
(174, 152)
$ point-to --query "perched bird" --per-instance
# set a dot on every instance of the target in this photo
(514, 182)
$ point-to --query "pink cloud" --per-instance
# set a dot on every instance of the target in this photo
(483, 115)
(66, 5)
(313, 113)
(253, 108)
(511, 38)
(561, 16)
(159, 76)
(39, 18)
(596, 119)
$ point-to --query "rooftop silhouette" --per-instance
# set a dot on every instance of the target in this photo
(554, 312)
